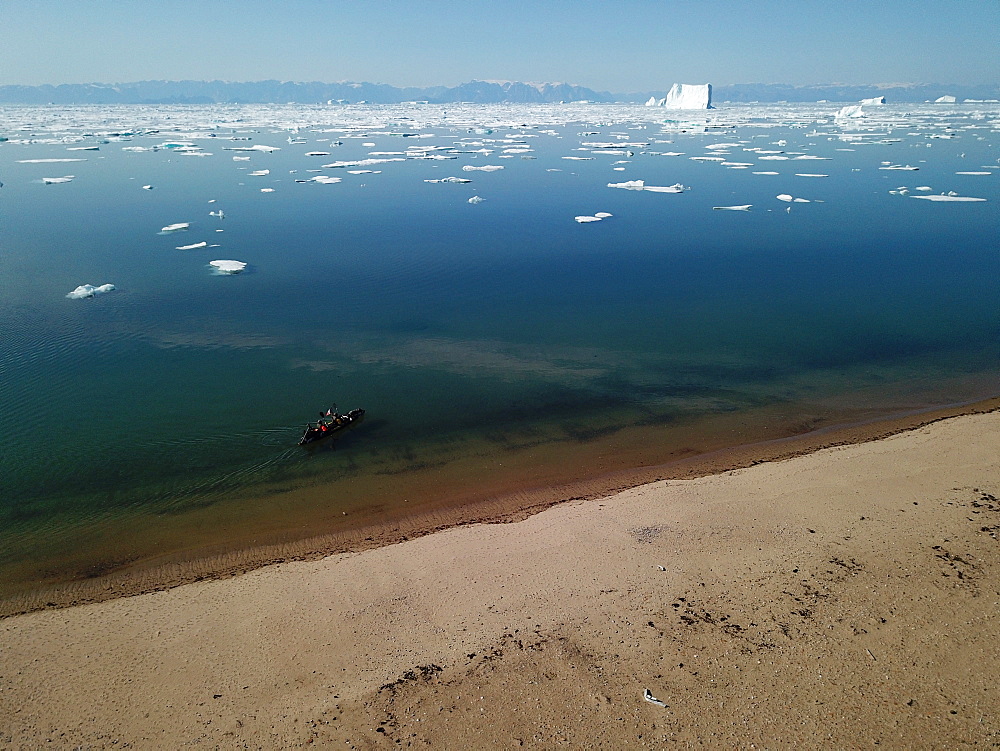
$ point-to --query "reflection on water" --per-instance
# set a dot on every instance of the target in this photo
(160, 418)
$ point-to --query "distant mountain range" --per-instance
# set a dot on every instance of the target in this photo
(482, 92)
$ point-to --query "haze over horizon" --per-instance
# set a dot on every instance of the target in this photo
(631, 45)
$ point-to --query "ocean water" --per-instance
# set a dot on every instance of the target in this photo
(135, 425)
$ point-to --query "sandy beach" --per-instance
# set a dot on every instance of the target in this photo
(844, 598)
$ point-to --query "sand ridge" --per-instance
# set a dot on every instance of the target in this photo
(843, 598)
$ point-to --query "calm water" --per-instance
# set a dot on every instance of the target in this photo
(455, 323)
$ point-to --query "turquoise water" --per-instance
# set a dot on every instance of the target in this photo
(448, 321)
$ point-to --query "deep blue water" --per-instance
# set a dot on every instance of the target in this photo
(446, 319)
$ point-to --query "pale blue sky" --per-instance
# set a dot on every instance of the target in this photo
(619, 46)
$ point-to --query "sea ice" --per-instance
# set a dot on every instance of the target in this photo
(57, 180)
(449, 180)
(193, 246)
(874, 100)
(228, 267)
(587, 219)
(147, 187)
(89, 290)
(47, 161)
(484, 168)
(259, 173)
(744, 207)
(476, 199)
(949, 197)
(176, 227)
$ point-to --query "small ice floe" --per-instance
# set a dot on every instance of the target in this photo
(228, 267)
(241, 159)
(258, 147)
(364, 172)
(57, 180)
(808, 174)
(476, 199)
(675, 188)
(89, 290)
(147, 187)
(83, 148)
(766, 173)
(973, 173)
(600, 215)
(774, 158)
(317, 153)
(220, 214)
(267, 190)
(648, 696)
(904, 167)
(789, 199)
(449, 180)
(484, 168)
(176, 227)
(575, 158)
(193, 246)
(322, 180)
(48, 161)
(259, 173)
(744, 207)
(951, 196)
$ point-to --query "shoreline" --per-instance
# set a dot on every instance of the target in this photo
(512, 505)
(843, 598)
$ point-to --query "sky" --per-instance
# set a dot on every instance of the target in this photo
(619, 46)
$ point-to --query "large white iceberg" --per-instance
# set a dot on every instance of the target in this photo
(685, 96)
(946, 99)
(89, 290)
(874, 100)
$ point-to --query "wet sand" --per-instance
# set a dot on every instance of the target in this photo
(838, 596)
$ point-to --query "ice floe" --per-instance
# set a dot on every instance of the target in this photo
(47, 161)
(228, 267)
(193, 246)
(476, 199)
(57, 180)
(949, 197)
(743, 207)
(789, 199)
(641, 185)
(89, 290)
(176, 227)
(450, 180)
(484, 168)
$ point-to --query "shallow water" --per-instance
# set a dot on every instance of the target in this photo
(465, 330)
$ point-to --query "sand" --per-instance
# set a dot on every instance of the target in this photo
(845, 598)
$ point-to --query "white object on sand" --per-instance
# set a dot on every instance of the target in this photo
(648, 696)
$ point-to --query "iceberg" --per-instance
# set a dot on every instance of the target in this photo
(874, 100)
(641, 185)
(946, 99)
(89, 290)
(687, 96)
(851, 110)
(176, 227)
(476, 199)
(228, 267)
